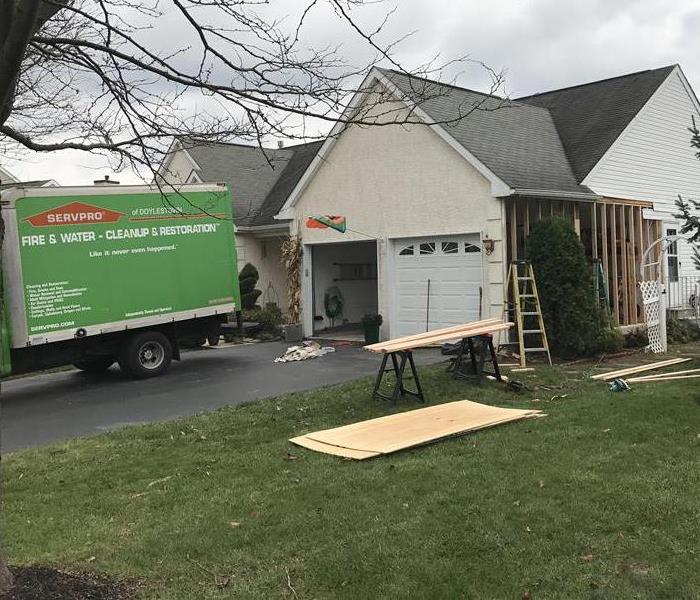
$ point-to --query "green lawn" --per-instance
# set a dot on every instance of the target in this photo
(600, 499)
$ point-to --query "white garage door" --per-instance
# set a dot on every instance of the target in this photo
(437, 282)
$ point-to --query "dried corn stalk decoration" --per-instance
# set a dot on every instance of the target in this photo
(291, 255)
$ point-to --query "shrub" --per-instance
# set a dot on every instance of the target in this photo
(575, 324)
(248, 279)
(270, 318)
(681, 331)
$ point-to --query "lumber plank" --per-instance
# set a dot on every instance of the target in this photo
(639, 369)
(613, 247)
(444, 337)
(671, 374)
(650, 380)
(418, 336)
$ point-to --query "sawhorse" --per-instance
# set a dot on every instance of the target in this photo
(399, 359)
(467, 347)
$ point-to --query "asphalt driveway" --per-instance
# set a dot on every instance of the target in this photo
(45, 408)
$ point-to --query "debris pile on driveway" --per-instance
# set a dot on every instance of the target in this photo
(308, 349)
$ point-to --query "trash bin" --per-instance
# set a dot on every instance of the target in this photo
(370, 325)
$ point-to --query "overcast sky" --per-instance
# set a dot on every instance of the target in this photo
(541, 45)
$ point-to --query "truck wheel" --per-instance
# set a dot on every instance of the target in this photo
(95, 364)
(146, 354)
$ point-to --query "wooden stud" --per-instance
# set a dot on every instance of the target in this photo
(625, 280)
(594, 230)
(539, 210)
(640, 368)
(643, 380)
(604, 241)
(513, 231)
(398, 344)
(630, 272)
(674, 374)
(576, 216)
(526, 222)
(613, 247)
(419, 336)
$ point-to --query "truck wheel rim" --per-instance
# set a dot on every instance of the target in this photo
(151, 355)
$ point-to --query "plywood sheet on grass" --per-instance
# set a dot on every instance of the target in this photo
(417, 427)
(307, 442)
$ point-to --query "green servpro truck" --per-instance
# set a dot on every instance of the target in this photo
(104, 274)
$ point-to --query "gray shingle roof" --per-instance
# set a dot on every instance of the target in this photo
(517, 142)
(31, 184)
(253, 174)
(591, 116)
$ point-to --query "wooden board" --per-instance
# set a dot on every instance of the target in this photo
(417, 427)
(639, 369)
(455, 329)
(398, 345)
(306, 442)
(661, 378)
(669, 374)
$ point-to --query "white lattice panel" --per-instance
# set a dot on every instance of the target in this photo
(651, 297)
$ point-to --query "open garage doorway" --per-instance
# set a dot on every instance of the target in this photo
(344, 288)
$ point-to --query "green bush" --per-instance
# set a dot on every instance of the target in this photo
(575, 324)
(681, 331)
(247, 280)
(270, 318)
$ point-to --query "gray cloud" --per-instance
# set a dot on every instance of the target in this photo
(542, 44)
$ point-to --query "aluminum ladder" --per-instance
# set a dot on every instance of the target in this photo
(522, 303)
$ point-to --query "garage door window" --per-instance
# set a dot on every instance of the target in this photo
(407, 251)
(427, 248)
(471, 248)
(450, 247)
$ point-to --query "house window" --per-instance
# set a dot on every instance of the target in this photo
(471, 247)
(427, 248)
(672, 257)
(407, 251)
(450, 247)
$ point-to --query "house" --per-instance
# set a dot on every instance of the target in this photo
(260, 182)
(8, 180)
(440, 203)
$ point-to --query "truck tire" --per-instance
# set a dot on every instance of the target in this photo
(146, 354)
(95, 364)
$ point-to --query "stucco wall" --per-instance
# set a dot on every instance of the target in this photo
(265, 254)
(401, 181)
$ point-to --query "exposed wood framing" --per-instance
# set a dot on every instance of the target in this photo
(612, 230)
(615, 288)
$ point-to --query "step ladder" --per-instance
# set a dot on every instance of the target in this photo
(521, 305)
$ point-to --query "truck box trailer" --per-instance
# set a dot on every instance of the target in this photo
(104, 274)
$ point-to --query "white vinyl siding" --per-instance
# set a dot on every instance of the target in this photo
(652, 160)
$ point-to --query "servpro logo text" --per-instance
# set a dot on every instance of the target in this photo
(74, 213)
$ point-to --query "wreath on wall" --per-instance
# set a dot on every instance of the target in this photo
(333, 303)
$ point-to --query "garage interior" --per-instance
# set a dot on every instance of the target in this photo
(344, 288)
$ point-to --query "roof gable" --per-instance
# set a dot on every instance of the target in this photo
(517, 141)
(591, 116)
(257, 177)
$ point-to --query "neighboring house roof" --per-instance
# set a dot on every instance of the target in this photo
(6, 176)
(591, 116)
(516, 141)
(29, 184)
(257, 177)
